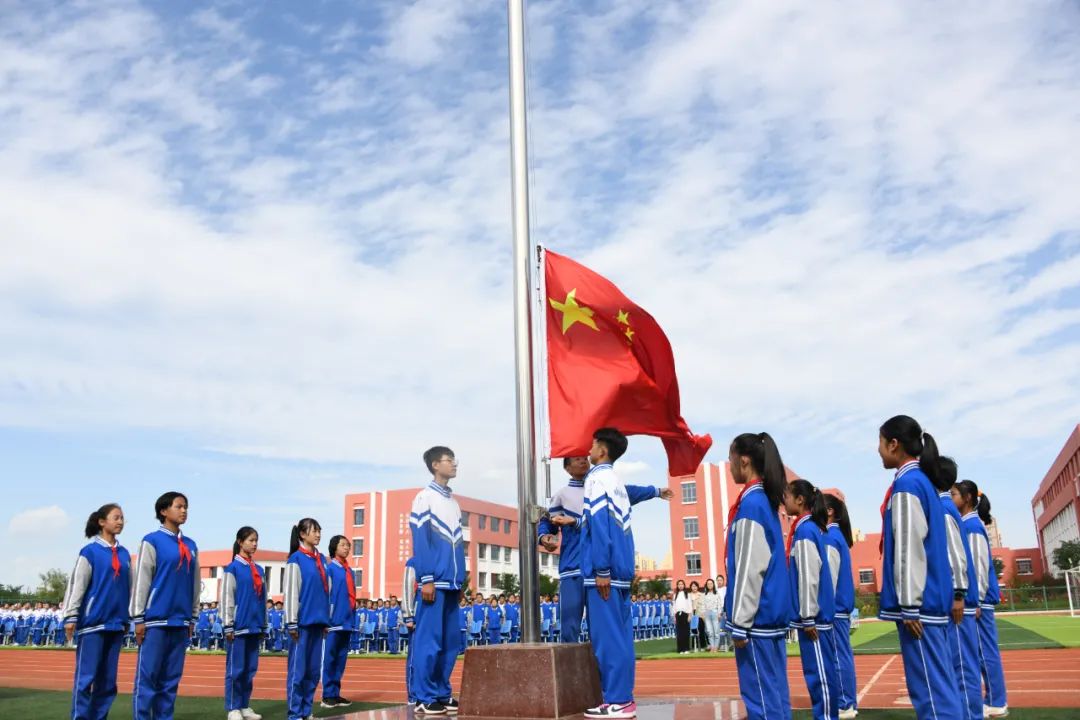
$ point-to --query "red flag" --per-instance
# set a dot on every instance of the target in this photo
(610, 364)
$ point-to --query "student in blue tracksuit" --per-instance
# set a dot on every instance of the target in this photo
(569, 501)
(496, 616)
(278, 623)
(410, 594)
(307, 615)
(342, 619)
(758, 602)
(975, 508)
(393, 623)
(838, 541)
(164, 605)
(513, 614)
(439, 550)
(96, 610)
(963, 632)
(606, 552)
(917, 582)
(243, 623)
(812, 596)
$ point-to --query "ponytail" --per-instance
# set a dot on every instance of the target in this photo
(929, 460)
(93, 523)
(241, 535)
(813, 501)
(916, 443)
(982, 506)
(840, 514)
(306, 525)
(765, 459)
(969, 491)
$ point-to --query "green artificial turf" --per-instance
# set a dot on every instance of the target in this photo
(56, 705)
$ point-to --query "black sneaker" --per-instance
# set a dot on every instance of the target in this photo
(329, 702)
(432, 708)
(343, 701)
(451, 706)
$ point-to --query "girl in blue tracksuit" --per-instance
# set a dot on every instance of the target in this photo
(244, 622)
(758, 602)
(838, 542)
(307, 615)
(96, 610)
(917, 582)
(812, 597)
(496, 616)
(164, 605)
(975, 508)
(342, 621)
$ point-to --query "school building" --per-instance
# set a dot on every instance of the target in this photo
(377, 523)
(1056, 504)
(212, 566)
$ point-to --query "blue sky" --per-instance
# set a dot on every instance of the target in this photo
(260, 252)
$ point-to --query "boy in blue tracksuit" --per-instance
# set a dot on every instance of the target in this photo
(513, 614)
(758, 602)
(813, 600)
(164, 605)
(569, 501)
(917, 582)
(342, 619)
(393, 622)
(307, 615)
(243, 620)
(439, 551)
(96, 610)
(975, 507)
(838, 541)
(606, 552)
(410, 593)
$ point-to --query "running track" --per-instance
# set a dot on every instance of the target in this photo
(1036, 678)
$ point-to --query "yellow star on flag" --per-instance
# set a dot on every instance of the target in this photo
(573, 312)
(629, 335)
(623, 318)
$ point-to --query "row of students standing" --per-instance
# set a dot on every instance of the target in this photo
(24, 624)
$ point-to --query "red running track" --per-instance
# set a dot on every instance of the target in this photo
(1036, 678)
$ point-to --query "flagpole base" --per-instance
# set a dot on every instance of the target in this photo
(529, 680)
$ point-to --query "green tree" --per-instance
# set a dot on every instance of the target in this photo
(53, 585)
(12, 592)
(999, 566)
(660, 586)
(548, 586)
(509, 585)
(1066, 556)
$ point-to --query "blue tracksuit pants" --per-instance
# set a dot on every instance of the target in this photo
(763, 683)
(819, 668)
(612, 633)
(95, 675)
(992, 672)
(393, 641)
(964, 646)
(845, 663)
(571, 607)
(157, 673)
(335, 654)
(305, 660)
(928, 670)
(241, 663)
(435, 644)
(408, 671)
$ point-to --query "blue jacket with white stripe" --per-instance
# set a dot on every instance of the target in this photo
(812, 598)
(960, 562)
(438, 545)
(988, 591)
(840, 566)
(607, 538)
(97, 595)
(167, 586)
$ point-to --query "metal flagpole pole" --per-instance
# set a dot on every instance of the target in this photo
(523, 340)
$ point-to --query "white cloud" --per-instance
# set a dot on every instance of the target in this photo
(38, 522)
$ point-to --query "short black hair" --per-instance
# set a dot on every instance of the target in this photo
(434, 455)
(165, 502)
(566, 462)
(334, 542)
(615, 442)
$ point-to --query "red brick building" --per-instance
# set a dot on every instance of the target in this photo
(1056, 504)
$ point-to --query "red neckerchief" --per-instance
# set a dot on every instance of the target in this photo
(791, 535)
(115, 559)
(256, 576)
(350, 583)
(734, 509)
(185, 552)
(884, 507)
(317, 557)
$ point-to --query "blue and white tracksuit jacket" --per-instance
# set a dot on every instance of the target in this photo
(844, 598)
(244, 614)
(307, 611)
(963, 637)
(989, 594)
(438, 545)
(917, 584)
(813, 604)
(758, 604)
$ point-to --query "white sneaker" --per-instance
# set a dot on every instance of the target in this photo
(989, 711)
(249, 714)
(848, 714)
(234, 715)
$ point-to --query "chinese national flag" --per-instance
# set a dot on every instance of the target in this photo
(610, 365)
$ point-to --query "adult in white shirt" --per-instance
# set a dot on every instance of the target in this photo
(710, 614)
(682, 608)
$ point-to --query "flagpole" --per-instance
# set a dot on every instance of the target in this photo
(523, 340)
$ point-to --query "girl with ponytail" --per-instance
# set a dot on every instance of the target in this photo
(758, 603)
(916, 579)
(974, 508)
(101, 578)
(307, 615)
(838, 542)
(244, 621)
(813, 599)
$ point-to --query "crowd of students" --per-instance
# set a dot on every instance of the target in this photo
(938, 586)
(31, 624)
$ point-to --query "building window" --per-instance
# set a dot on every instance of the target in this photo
(358, 577)
(481, 522)
(464, 519)
(358, 547)
(506, 554)
(1023, 566)
(690, 528)
(482, 579)
(358, 517)
(693, 563)
(481, 549)
(494, 524)
(495, 581)
(866, 577)
(544, 559)
(465, 545)
(506, 526)
(689, 492)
